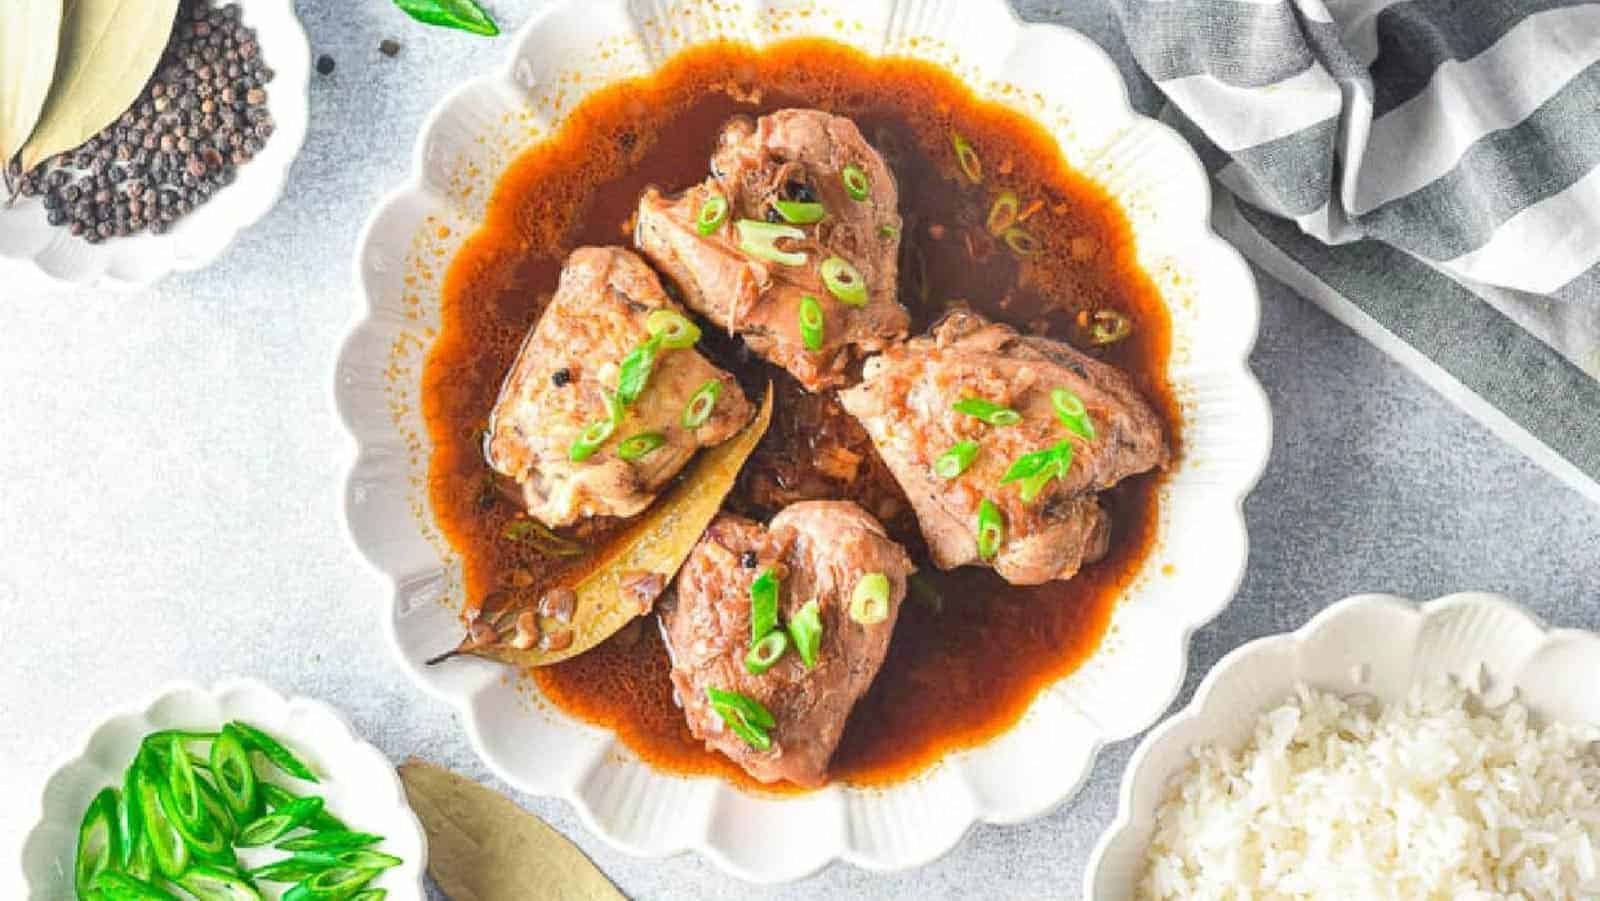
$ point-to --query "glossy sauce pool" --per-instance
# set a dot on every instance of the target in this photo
(969, 655)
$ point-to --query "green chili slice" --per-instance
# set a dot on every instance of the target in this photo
(113, 886)
(991, 529)
(701, 403)
(1003, 212)
(636, 446)
(805, 627)
(856, 183)
(1072, 413)
(760, 240)
(268, 829)
(1020, 241)
(634, 374)
(167, 848)
(745, 716)
(713, 213)
(764, 653)
(277, 797)
(214, 884)
(98, 846)
(967, 158)
(235, 777)
(987, 411)
(844, 281)
(333, 840)
(675, 330)
(255, 740)
(763, 604)
(812, 331)
(330, 885)
(869, 602)
(800, 212)
(955, 461)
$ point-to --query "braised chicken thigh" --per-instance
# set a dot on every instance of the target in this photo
(823, 585)
(1001, 441)
(791, 243)
(608, 398)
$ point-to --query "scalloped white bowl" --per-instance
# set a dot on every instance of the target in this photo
(1373, 644)
(1050, 73)
(47, 253)
(358, 782)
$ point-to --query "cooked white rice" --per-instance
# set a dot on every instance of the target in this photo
(1434, 798)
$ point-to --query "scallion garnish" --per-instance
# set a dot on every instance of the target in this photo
(675, 330)
(760, 239)
(991, 529)
(713, 213)
(763, 604)
(856, 183)
(955, 461)
(636, 446)
(888, 231)
(97, 840)
(805, 627)
(967, 158)
(869, 602)
(1003, 213)
(634, 374)
(1072, 413)
(1021, 243)
(987, 411)
(764, 653)
(745, 716)
(590, 439)
(800, 212)
(701, 403)
(1035, 470)
(1109, 327)
(844, 281)
(812, 331)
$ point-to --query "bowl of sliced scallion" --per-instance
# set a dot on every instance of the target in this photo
(233, 793)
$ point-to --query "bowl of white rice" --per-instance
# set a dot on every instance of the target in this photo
(1387, 749)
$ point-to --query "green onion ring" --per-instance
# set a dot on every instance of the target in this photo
(636, 446)
(967, 158)
(764, 653)
(869, 602)
(1109, 327)
(991, 529)
(590, 439)
(805, 627)
(1021, 243)
(987, 411)
(675, 330)
(1072, 413)
(856, 183)
(763, 604)
(812, 332)
(98, 844)
(634, 374)
(955, 461)
(844, 281)
(760, 240)
(799, 212)
(713, 213)
(749, 708)
(1003, 214)
(701, 403)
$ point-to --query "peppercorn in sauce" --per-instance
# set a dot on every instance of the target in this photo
(970, 652)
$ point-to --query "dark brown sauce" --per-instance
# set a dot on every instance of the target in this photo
(956, 676)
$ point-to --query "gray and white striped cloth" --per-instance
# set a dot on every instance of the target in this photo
(1427, 170)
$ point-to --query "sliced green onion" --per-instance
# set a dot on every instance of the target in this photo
(1003, 213)
(760, 240)
(255, 740)
(764, 653)
(805, 627)
(869, 602)
(763, 604)
(1029, 465)
(277, 798)
(634, 373)
(130, 828)
(967, 158)
(955, 461)
(888, 231)
(235, 777)
(540, 537)
(1109, 327)
(713, 213)
(1072, 413)
(371, 894)
(701, 403)
(675, 330)
(591, 438)
(991, 529)
(217, 811)
(333, 840)
(636, 446)
(294, 869)
(113, 886)
(366, 859)
(98, 846)
(987, 411)
(844, 281)
(800, 212)
(182, 783)
(1021, 243)
(170, 854)
(281, 822)
(1035, 470)
(745, 716)
(214, 884)
(856, 183)
(811, 326)
(142, 864)
(337, 883)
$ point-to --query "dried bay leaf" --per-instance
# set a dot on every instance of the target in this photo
(30, 35)
(109, 49)
(483, 847)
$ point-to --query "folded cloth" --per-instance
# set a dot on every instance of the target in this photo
(1427, 170)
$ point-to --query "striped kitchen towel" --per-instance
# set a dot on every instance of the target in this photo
(1426, 170)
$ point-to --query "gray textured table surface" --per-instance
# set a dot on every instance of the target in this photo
(170, 470)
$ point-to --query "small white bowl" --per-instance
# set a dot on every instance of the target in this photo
(200, 237)
(358, 782)
(1372, 644)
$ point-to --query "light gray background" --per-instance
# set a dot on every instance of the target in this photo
(170, 469)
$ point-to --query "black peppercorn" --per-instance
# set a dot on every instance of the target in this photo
(325, 64)
(561, 378)
(748, 559)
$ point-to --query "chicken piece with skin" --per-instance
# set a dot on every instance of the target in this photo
(907, 401)
(818, 550)
(765, 263)
(560, 383)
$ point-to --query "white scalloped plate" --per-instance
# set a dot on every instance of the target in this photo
(359, 784)
(1375, 644)
(199, 238)
(1066, 83)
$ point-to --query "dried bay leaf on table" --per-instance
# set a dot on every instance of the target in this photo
(30, 35)
(483, 847)
(109, 49)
